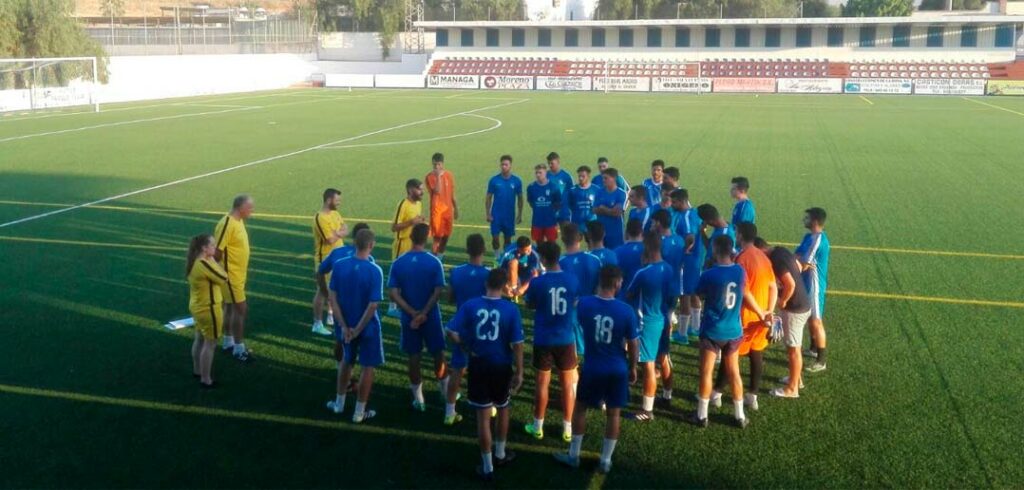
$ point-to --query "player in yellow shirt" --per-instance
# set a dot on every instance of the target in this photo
(409, 214)
(205, 303)
(329, 230)
(233, 253)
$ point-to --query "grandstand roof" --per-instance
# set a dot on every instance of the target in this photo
(930, 20)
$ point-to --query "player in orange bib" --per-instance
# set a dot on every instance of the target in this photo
(443, 208)
(758, 304)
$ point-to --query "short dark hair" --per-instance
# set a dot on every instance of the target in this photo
(419, 233)
(570, 234)
(505, 157)
(438, 157)
(722, 246)
(817, 215)
(634, 227)
(652, 242)
(662, 218)
(760, 243)
(331, 192)
(523, 241)
(708, 212)
(609, 275)
(741, 183)
(475, 245)
(672, 172)
(364, 239)
(549, 252)
(681, 194)
(412, 184)
(667, 188)
(746, 232)
(359, 227)
(240, 201)
(595, 231)
(658, 163)
(497, 278)
(583, 168)
(601, 160)
(552, 156)
(640, 190)
(611, 172)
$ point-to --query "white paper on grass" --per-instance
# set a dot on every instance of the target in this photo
(180, 324)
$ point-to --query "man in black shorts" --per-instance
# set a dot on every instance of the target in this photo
(796, 311)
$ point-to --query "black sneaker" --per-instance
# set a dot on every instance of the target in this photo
(510, 456)
(487, 477)
(699, 422)
(641, 416)
(662, 402)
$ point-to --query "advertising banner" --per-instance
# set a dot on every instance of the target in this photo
(564, 83)
(15, 100)
(1005, 87)
(340, 80)
(680, 84)
(810, 85)
(453, 81)
(498, 82)
(747, 85)
(949, 86)
(398, 81)
(622, 84)
(878, 86)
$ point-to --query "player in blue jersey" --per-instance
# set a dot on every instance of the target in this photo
(581, 199)
(620, 182)
(671, 178)
(653, 183)
(584, 266)
(666, 199)
(595, 242)
(813, 253)
(504, 203)
(563, 180)
(689, 228)
(743, 211)
(650, 292)
(521, 264)
(710, 217)
(639, 207)
(630, 256)
(722, 287)
(609, 206)
(552, 296)
(545, 199)
(490, 330)
(610, 333)
(323, 271)
(672, 249)
(415, 283)
(468, 281)
(356, 290)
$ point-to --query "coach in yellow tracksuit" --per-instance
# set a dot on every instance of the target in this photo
(206, 303)
(233, 246)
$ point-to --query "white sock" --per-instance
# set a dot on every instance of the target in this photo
(360, 410)
(449, 409)
(417, 392)
(695, 318)
(648, 403)
(499, 449)
(666, 394)
(566, 427)
(444, 386)
(229, 341)
(715, 394)
(737, 407)
(702, 408)
(488, 463)
(575, 446)
(239, 348)
(684, 322)
(538, 424)
(339, 400)
(607, 449)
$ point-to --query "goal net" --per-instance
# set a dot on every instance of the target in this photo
(35, 84)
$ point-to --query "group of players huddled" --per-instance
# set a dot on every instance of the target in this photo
(656, 271)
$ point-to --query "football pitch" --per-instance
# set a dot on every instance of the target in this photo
(925, 380)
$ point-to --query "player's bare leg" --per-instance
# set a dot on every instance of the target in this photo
(819, 340)
(442, 373)
(320, 302)
(416, 383)
(731, 364)
(568, 382)
(439, 245)
(341, 388)
(796, 366)
(650, 388)
(228, 344)
(197, 346)
(365, 386)
(239, 315)
(483, 430)
(540, 404)
(665, 365)
(706, 368)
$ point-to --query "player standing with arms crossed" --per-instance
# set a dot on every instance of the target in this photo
(329, 230)
(545, 200)
(444, 210)
(233, 254)
(504, 204)
(563, 181)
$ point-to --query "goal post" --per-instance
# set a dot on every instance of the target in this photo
(36, 84)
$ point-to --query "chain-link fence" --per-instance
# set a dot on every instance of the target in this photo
(163, 35)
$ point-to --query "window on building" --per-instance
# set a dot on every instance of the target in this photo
(518, 38)
(712, 37)
(682, 37)
(803, 37)
(492, 38)
(1004, 36)
(572, 38)
(867, 36)
(935, 35)
(653, 37)
(441, 39)
(835, 36)
(625, 38)
(467, 38)
(597, 38)
(901, 36)
(544, 38)
(968, 36)
(772, 37)
(742, 38)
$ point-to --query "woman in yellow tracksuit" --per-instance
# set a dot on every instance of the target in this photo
(206, 303)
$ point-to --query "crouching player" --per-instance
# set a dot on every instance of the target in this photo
(609, 332)
(490, 329)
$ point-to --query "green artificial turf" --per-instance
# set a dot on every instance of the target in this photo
(922, 391)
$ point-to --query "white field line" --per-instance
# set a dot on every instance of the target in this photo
(1011, 111)
(235, 106)
(497, 124)
(249, 164)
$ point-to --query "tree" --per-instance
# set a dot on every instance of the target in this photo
(877, 8)
(957, 4)
(112, 8)
(819, 8)
(46, 29)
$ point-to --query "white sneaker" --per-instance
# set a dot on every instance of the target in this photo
(816, 367)
(330, 319)
(785, 381)
(673, 319)
(319, 329)
(716, 399)
(334, 407)
(750, 400)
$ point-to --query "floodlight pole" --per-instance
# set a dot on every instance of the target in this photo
(95, 85)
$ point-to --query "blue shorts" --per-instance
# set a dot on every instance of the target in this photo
(459, 358)
(816, 294)
(505, 227)
(367, 349)
(579, 336)
(429, 335)
(691, 276)
(664, 342)
(650, 338)
(612, 389)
